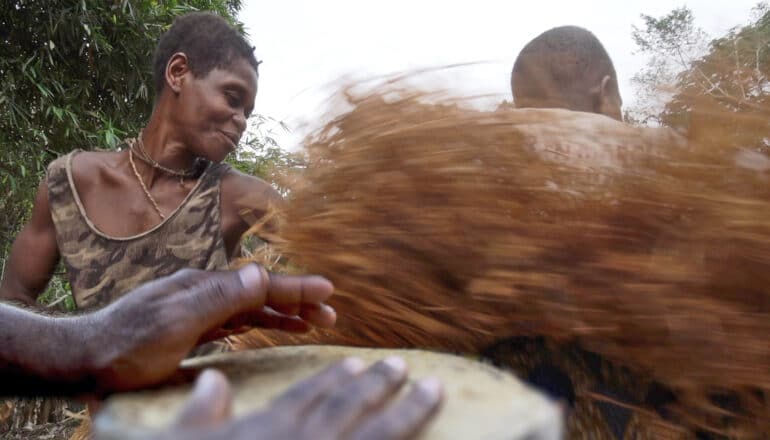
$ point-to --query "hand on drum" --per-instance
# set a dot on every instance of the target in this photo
(140, 339)
(342, 402)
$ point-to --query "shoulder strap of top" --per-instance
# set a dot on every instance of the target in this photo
(216, 172)
(210, 181)
(57, 179)
(205, 197)
(57, 167)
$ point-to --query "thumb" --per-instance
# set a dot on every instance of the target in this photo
(210, 403)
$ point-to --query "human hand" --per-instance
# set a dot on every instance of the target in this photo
(140, 339)
(342, 402)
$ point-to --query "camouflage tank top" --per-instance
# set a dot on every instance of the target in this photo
(101, 268)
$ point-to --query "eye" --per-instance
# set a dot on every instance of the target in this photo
(233, 99)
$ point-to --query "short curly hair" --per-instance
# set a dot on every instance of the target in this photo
(208, 41)
(559, 67)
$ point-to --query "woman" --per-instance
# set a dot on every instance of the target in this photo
(165, 201)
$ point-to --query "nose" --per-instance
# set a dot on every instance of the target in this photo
(240, 122)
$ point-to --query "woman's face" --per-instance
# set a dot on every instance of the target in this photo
(211, 111)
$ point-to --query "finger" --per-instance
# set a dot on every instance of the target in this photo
(301, 396)
(270, 319)
(266, 319)
(406, 418)
(319, 315)
(288, 291)
(335, 414)
(210, 403)
(291, 309)
(219, 296)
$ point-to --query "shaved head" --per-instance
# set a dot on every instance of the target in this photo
(566, 67)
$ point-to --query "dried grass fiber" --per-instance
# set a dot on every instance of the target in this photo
(446, 227)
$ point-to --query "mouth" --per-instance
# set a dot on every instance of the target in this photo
(232, 138)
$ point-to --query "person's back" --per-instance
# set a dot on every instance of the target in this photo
(590, 140)
(565, 84)
(565, 89)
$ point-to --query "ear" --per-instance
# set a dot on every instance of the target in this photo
(176, 70)
(604, 88)
(606, 101)
(600, 92)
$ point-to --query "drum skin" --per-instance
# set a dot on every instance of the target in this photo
(482, 402)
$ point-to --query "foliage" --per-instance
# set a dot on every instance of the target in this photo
(260, 155)
(58, 294)
(721, 91)
(726, 93)
(672, 43)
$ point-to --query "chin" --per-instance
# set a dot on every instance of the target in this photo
(217, 156)
(214, 151)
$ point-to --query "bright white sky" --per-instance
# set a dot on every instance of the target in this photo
(307, 45)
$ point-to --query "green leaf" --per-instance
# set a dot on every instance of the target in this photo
(43, 90)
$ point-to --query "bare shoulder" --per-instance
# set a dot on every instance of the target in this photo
(594, 127)
(243, 191)
(245, 201)
(93, 167)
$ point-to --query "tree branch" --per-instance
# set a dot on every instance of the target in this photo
(742, 103)
(738, 68)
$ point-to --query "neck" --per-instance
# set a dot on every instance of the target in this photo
(579, 101)
(164, 147)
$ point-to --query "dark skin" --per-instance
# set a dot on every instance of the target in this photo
(194, 117)
(90, 354)
(598, 98)
(117, 348)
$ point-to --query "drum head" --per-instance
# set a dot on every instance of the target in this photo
(482, 402)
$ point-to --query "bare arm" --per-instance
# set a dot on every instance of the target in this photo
(245, 201)
(127, 345)
(42, 355)
(34, 254)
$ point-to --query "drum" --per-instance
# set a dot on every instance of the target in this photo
(481, 401)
